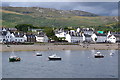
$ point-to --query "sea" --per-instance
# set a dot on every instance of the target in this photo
(74, 64)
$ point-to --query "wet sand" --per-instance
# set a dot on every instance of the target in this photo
(59, 47)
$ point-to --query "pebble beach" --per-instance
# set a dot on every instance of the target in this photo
(4, 48)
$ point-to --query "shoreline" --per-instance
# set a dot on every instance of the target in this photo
(4, 48)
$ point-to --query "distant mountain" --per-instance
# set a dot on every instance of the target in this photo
(38, 16)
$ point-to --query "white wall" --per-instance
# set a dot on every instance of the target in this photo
(112, 39)
(42, 39)
(101, 38)
(10, 37)
(18, 39)
(62, 34)
(73, 39)
(1, 39)
(68, 38)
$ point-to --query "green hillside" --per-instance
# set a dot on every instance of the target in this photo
(46, 17)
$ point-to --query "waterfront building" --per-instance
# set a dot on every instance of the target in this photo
(12, 37)
(94, 37)
(101, 38)
(73, 39)
(31, 38)
(41, 37)
(111, 38)
(1, 39)
(60, 34)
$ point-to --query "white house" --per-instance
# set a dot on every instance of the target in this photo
(72, 32)
(10, 37)
(94, 37)
(78, 30)
(19, 39)
(111, 38)
(60, 34)
(73, 39)
(1, 38)
(41, 38)
(25, 37)
(101, 38)
(4, 29)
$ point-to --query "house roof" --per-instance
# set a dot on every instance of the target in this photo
(100, 34)
(18, 34)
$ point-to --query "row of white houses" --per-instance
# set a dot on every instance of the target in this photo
(10, 37)
(71, 36)
(7, 36)
(76, 36)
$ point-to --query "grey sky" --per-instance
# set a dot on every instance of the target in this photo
(60, 0)
(100, 8)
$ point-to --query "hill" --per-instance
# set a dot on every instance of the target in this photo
(43, 17)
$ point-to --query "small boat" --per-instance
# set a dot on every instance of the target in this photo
(111, 54)
(38, 54)
(98, 55)
(14, 58)
(54, 57)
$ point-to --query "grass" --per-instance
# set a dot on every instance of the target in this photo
(12, 18)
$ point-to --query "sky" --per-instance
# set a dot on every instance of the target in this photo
(60, 0)
(100, 8)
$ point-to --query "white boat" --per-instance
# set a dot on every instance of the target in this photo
(98, 55)
(38, 54)
(111, 54)
(54, 57)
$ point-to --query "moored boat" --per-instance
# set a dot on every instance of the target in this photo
(98, 55)
(38, 54)
(54, 57)
(14, 59)
(111, 54)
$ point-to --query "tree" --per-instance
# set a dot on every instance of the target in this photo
(24, 27)
(49, 31)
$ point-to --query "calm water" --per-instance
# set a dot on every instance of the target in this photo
(74, 64)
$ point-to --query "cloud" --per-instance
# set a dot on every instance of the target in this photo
(60, 0)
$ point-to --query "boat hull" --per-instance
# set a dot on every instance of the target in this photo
(54, 58)
(39, 55)
(14, 59)
(99, 56)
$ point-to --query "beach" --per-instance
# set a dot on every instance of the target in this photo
(59, 47)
